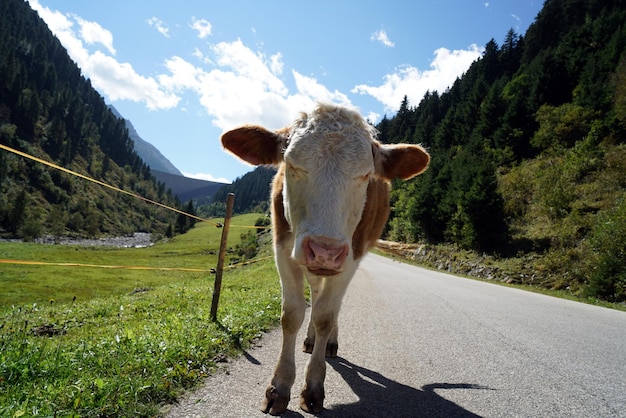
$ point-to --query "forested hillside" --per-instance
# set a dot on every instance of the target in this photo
(251, 194)
(528, 152)
(148, 152)
(49, 110)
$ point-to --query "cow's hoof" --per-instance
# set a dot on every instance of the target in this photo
(331, 348)
(308, 345)
(275, 403)
(312, 401)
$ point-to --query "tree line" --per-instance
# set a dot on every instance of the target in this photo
(523, 149)
(251, 194)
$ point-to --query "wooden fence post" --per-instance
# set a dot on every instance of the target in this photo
(217, 288)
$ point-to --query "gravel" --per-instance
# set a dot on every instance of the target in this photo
(136, 240)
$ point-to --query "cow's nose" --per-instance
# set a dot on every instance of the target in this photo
(323, 254)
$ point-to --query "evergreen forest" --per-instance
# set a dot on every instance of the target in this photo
(251, 191)
(49, 110)
(528, 152)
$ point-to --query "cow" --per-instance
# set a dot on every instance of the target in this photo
(329, 204)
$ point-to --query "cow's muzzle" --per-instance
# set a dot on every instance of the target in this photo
(323, 256)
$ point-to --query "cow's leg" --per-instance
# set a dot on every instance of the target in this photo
(278, 392)
(316, 283)
(324, 317)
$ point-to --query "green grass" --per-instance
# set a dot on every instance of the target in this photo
(38, 284)
(114, 352)
(566, 210)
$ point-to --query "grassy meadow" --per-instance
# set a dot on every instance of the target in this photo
(83, 341)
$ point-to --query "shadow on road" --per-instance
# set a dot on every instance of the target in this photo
(380, 396)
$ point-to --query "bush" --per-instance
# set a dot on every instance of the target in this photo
(562, 126)
(261, 223)
(30, 230)
(249, 245)
(555, 191)
(608, 242)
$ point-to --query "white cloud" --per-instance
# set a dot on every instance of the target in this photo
(158, 24)
(207, 177)
(234, 83)
(310, 87)
(446, 67)
(373, 117)
(244, 87)
(119, 81)
(202, 26)
(240, 88)
(93, 33)
(114, 79)
(381, 36)
(248, 65)
(198, 54)
(518, 21)
(276, 63)
(184, 75)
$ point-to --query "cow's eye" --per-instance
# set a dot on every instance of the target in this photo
(364, 177)
(294, 171)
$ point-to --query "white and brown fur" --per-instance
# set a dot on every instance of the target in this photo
(330, 202)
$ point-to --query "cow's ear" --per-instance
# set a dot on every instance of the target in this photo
(401, 161)
(254, 144)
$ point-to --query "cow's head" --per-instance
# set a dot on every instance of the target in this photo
(329, 158)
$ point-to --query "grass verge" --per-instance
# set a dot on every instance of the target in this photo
(126, 353)
(519, 272)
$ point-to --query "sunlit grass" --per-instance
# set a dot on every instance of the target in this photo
(196, 249)
(115, 352)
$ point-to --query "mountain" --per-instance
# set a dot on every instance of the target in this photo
(148, 152)
(50, 111)
(186, 188)
(251, 191)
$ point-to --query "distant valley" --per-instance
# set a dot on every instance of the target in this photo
(184, 188)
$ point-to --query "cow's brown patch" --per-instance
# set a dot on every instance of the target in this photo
(373, 219)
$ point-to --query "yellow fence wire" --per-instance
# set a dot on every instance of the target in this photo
(104, 266)
(117, 189)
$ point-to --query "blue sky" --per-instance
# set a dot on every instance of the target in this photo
(184, 72)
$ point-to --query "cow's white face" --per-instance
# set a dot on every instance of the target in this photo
(328, 158)
(328, 165)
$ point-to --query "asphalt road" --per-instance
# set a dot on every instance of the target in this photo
(418, 343)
